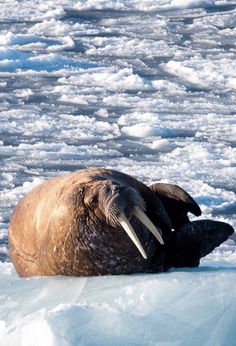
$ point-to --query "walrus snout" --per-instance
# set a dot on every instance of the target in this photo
(121, 204)
(120, 200)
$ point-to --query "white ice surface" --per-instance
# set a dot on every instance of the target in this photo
(145, 87)
(186, 307)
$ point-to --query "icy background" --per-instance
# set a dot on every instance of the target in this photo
(145, 87)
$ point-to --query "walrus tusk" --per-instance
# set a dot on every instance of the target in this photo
(131, 233)
(148, 223)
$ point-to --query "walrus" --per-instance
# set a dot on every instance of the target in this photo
(103, 222)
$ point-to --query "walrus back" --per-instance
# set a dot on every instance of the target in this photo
(30, 223)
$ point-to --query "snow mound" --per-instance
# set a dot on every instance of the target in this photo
(186, 307)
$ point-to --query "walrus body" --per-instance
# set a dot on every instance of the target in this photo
(99, 222)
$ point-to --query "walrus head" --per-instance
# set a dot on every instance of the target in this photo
(116, 204)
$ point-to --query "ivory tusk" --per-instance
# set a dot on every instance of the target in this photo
(148, 223)
(131, 233)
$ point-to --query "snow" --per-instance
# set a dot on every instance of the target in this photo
(136, 309)
(142, 130)
(145, 87)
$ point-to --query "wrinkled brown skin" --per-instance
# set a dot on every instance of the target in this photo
(64, 227)
(60, 228)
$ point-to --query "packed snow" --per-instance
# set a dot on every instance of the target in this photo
(144, 87)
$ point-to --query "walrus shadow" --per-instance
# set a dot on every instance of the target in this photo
(204, 269)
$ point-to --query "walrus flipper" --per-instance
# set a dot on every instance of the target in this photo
(194, 241)
(177, 203)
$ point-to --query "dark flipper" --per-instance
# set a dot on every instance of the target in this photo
(177, 203)
(195, 240)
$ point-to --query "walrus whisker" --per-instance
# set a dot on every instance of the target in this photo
(148, 223)
(124, 222)
(112, 215)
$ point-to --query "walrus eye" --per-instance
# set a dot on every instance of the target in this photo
(94, 201)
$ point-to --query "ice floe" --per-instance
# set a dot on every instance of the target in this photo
(145, 87)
